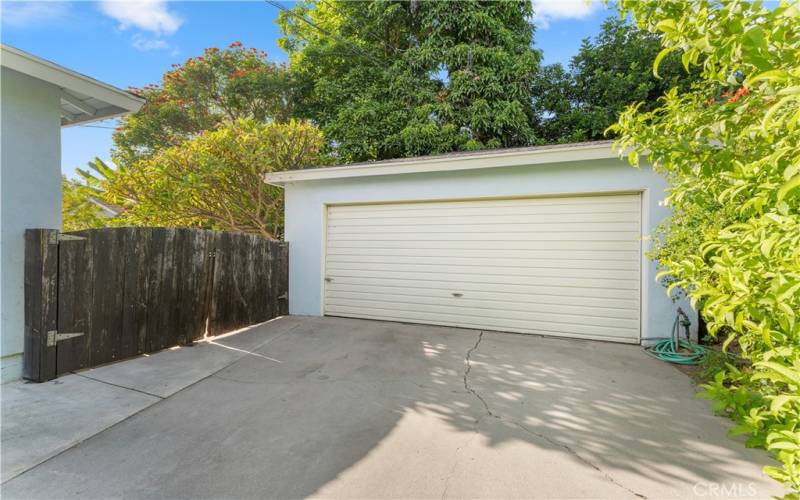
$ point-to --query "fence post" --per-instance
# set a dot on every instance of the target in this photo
(41, 303)
(283, 272)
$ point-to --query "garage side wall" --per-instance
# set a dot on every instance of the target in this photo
(306, 204)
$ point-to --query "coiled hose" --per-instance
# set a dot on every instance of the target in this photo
(676, 350)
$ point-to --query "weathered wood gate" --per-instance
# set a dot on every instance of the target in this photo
(101, 295)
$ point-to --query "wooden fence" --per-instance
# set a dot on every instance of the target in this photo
(101, 295)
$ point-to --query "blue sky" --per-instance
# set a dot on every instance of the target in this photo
(128, 43)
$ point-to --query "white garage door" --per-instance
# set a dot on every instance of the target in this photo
(565, 266)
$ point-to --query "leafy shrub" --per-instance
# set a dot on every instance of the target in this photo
(78, 207)
(730, 149)
(214, 180)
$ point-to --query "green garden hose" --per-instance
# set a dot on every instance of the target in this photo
(676, 350)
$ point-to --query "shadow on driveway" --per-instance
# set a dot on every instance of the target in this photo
(346, 408)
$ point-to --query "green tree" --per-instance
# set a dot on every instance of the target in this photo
(213, 180)
(194, 154)
(730, 149)
(555, 104)
(196, 96)
(78, 208)
(608, 73)
(389, 79)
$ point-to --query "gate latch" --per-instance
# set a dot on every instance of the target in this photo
(53, 337)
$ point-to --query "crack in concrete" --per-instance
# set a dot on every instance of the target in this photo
(475, 431)
(468, 387)
(455, 457)
(576, 455)
(468, 363)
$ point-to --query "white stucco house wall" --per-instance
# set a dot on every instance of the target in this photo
(37, 99)
(543, 240)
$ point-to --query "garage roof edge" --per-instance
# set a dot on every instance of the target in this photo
(471, 160)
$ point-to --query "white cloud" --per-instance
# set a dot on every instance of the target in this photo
(23, 14)
(147, 15)
(143, 43)
(546, 11)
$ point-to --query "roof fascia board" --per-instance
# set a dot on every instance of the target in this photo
(66, 79)
(449, 164)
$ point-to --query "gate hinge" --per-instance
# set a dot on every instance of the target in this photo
(53, 337)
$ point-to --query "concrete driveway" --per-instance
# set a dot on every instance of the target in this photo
(340, 408)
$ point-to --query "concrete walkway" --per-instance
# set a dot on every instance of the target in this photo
(339, 408)
(39, 421)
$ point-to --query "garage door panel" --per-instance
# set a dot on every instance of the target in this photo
(560, 266)
(568, 202)
(449, 286)
(489, 312)
(488, 230)
(627, 216)
(485, 271)
(372, 252)
(464, 304)
(524, 300)
(588, 235)
(499, 279)
(496, 322)
(521, 328)
(624, 210)
(480, 244)
(343, 261)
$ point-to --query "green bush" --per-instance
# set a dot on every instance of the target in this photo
(730, 149)
(214, 180)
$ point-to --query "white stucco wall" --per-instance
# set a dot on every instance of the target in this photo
(30, 191)
(306, 206)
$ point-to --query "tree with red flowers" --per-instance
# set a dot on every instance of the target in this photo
(195, 153)
(222, 85)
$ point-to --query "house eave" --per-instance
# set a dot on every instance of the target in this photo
(76, 89)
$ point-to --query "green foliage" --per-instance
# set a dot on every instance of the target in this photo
(608, 73)
(765, 402)
(213, 180)
(729, 148)
(195, 153)
(78, 210)
(388, 79)
(221, 85)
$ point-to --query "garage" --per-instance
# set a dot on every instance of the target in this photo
(545, 240)
(562, 266)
